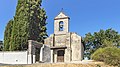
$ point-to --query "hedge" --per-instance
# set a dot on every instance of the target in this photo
(109, 55)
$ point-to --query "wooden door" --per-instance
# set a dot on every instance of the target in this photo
(60, 56)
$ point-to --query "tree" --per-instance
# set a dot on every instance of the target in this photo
(29, 24)
(7, 35)
(1, 45)
(1, 48)
(43, 33)
(109, 55)
(19, 32)
(37, 15)
(107, 38)
(88, 44)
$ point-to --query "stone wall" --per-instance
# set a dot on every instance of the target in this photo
(74, 50)
(19, 57)
(49, 41)
(68, 50)
(32, 46)
(45, 54)
(60, 40)
(76, 45)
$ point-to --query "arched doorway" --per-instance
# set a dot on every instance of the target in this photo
(60, 55)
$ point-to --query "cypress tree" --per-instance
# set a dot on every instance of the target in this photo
(7, 35)
(19, 31)
(43, 33)
(37, 21)
(29, 24)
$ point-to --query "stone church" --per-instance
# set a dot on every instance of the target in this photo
(64, 46)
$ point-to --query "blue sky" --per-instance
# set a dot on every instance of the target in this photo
(86, 15)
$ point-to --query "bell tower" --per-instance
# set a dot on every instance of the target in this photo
(61, 24)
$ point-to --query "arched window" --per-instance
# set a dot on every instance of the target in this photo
(61, 26)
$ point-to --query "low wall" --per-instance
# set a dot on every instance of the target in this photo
(16, 57)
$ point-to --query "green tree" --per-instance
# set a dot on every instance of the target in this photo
(29, 24)
(109, 55)
(1, 45)
(107, 38)
(19, 32)
(1, 48)
(7, 35)
(43, 33)
(37, 21)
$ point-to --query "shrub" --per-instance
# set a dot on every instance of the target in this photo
(109, 55)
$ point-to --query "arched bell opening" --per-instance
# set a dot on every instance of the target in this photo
(61, 26)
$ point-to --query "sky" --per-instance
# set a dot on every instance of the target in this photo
(85, 15)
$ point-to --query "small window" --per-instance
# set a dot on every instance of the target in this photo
(61, 26)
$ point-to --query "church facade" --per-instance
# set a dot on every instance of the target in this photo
(64, 46)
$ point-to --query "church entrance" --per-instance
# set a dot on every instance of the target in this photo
(60, 55)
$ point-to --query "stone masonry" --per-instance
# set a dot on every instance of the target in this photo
(65, 46)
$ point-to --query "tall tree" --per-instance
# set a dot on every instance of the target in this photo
(43, 33)
(101, 39)
(20, 25)
(29, 24)
(1, 45)
(37, 21)
(7, 35)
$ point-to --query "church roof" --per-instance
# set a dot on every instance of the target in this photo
(61, 15)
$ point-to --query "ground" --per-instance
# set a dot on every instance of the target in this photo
(72, 64)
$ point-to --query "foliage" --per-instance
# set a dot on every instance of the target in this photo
(103, 38)
(29, 24)
(1, 48)
(19, 31)
(109, 55)
(1, 45)
(7, 35)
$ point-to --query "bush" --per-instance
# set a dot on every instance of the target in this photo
(109, 55)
